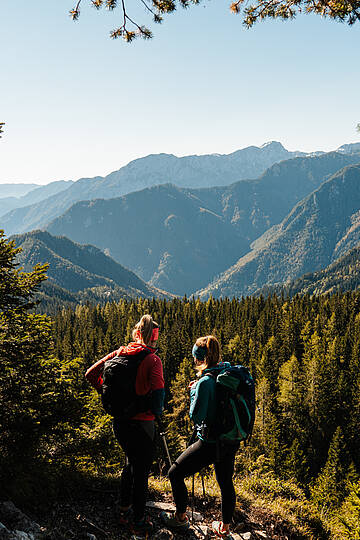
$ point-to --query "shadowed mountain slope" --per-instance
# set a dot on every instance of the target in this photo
(164, 234)
(75, 268)
(321, 228)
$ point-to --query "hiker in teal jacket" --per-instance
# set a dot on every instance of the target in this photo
(202, 400)
(205, 450)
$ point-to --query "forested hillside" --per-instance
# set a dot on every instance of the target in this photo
(340, 276)
(303, 353)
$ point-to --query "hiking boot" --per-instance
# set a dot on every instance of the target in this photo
(217, 527)
(170, 520)
(142, 527)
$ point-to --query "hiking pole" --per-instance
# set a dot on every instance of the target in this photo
(192, 498)
(162, 436)
(203, 485)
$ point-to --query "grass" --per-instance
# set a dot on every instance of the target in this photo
(263, 501)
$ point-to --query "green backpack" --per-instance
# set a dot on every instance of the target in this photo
(235, 405)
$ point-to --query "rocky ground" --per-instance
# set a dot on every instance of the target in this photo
(94, 518)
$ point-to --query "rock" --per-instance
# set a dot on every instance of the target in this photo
(261, 534)
(21, 535)
(17, 521)
(246, 536)
(161, 506)
(4, 533)
(196, 515)
(171, 507)
(163, 534)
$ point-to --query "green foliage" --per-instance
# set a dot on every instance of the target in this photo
(347, 524)
(178, 422)
(25, 343)
(304, 354)
(340, 10)
(329, 488)
(48, 421)
(340, 276)
(343, 10)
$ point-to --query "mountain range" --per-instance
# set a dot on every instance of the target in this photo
(79, 272)
(253, 235)
(178, 239)
(188, 171)
(16, 190)
(33, 196)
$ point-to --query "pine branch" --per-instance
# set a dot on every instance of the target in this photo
(75, 13)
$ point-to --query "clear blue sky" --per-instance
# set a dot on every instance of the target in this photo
(78, 104)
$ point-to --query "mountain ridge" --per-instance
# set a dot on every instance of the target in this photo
(313, 235)
(186, 171)
(76, 268)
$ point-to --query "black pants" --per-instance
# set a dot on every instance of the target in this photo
(136, 438)
(197, 456)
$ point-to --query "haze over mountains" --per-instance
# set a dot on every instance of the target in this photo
(188, 171)
(34, 196)
(178, 239)
(233, 238)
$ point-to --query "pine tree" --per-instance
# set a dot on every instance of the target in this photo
(330, 487)
(178, 421)
(349, 515)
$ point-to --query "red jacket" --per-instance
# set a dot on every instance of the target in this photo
(149, 376)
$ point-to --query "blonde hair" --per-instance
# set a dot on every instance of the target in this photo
(213, 352)
(145, 326)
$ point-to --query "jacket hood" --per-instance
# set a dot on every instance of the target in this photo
(133, 348)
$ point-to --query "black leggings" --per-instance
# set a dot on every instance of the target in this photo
(136, 438)
(197, 456)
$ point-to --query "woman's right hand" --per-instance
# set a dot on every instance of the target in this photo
(191, 384)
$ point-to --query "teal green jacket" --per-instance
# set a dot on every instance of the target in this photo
(203, 401)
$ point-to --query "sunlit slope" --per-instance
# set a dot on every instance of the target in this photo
(321, 228)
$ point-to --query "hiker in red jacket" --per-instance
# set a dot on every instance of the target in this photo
(136, 435)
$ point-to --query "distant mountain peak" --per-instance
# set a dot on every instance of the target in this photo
(273, 144)
(351, 148)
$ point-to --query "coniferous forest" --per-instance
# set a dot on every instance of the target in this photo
(303, 353)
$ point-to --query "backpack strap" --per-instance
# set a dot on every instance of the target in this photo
(237, 419)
